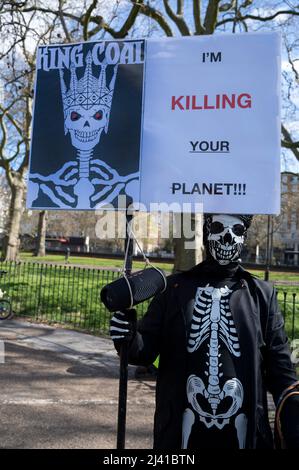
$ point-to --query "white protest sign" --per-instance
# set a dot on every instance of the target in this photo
(211, 129)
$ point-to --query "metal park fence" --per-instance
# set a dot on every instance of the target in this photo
(58, 293)
(69, 295)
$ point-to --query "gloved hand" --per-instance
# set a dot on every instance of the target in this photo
(123, 326)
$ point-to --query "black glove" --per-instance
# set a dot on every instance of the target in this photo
(123, 326)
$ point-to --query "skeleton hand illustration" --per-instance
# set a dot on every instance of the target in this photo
(52, 184)
(61, 177)
(106, 186)
(110, 183)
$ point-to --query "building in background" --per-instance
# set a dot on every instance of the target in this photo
(283, 229)
(287, 234)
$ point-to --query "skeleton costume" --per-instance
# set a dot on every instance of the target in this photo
(216, 414)
(222, 346)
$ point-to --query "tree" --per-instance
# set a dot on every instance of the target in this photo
(14, 161)
(95, 20)
(17, 55)
(4, 204)
(41, 234)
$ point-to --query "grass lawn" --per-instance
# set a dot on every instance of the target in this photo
(118, 263)
(69, 294)
(277, 275)
(92, 262)
(58, 294)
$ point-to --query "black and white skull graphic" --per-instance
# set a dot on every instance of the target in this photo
(86, 125)
(226, 235)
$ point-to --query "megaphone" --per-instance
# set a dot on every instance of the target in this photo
(130, 290)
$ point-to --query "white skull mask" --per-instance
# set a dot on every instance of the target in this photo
(86, 125)
(226, 235)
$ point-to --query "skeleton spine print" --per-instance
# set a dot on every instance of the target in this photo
(87, 123)
(212, 324)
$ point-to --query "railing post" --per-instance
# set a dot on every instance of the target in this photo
(266, 275)
(39, 291)
(293, 315)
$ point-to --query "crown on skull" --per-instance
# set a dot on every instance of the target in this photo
(89, 90)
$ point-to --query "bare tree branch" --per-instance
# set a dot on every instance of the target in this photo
(228, 6)
(271, 17)
(11, 119)
(211, 16)
(291, 173)
(291, 62)
(197, 19)
(258, 18)
(246, 4)
(27, 124)
(63, 23)
(158, 17)
(86, 18)
(129, 22)
(178, 19)
(138, 7)
(3, 140)
(288, 142)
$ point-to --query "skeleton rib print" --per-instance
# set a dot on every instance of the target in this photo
(212, 319)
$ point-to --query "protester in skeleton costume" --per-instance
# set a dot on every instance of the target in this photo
(222, 346)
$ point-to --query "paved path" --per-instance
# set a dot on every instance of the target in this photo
(59, 389)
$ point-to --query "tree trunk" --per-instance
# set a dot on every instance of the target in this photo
(188, 251)
(12, 244)
(41, 234)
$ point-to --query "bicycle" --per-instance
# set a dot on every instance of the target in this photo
(5, 303)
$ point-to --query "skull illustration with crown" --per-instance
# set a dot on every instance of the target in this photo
(86, 182)
(87, 105)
